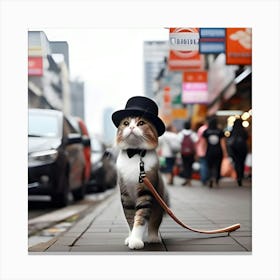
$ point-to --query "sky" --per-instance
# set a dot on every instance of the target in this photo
(110, 62)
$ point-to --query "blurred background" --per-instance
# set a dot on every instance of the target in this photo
(92, 72)
(78, 77)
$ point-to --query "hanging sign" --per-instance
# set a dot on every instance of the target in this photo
(184, 54)
(239, 46)
(183, 39)
(212, 40)
(195, 87)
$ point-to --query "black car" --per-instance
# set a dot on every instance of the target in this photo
(56, 163)
(103, 166)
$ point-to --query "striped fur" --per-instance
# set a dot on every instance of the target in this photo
(141, 210)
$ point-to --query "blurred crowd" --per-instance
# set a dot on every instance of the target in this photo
(205, 153)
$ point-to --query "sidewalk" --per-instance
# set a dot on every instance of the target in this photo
(104, 229)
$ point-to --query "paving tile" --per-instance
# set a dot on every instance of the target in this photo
(104, 235)
(99, 248)
(59, 248)
(205, 248)
(199, 241)
(99, 241)
(118, 248)
(99, 229)
(66, 240)
(119, 229)
(244, 241)
(241, 233)
(176, 235)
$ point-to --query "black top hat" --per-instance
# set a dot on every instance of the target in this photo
(140, 106)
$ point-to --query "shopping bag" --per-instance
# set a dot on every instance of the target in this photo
(227, 169)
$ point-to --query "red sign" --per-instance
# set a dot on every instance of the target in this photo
(184, 54)
(239, 46)
(195, 87)
(35, 66)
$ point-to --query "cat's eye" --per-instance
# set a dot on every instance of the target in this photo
(141, 123)
(126, 123)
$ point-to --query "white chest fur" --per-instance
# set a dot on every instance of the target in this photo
(128, 168)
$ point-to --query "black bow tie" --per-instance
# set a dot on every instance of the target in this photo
(132, 152)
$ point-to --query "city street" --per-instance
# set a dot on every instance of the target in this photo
(99, 98)
(103, 228)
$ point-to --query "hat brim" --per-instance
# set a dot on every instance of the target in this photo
(118, 116)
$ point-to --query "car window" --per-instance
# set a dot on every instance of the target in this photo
(43, 126)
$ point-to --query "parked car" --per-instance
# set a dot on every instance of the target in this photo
(81, 127)
(56, 164)
(103, 167)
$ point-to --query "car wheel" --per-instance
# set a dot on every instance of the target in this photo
(79, 194)
(61, 199)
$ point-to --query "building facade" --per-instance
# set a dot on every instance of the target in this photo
(154, 56)
(48, 76)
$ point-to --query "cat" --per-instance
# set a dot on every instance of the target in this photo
(137, 138)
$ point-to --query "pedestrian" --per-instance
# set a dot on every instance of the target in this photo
(188, 138)
(216, 150)
(238, 148)
(169, 146)
(201, 146)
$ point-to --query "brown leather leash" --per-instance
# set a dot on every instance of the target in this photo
(146, 181)
(143, 178)
(170, 213)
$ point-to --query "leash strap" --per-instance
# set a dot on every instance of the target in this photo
(143, 178)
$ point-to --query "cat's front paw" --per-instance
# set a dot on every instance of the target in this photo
(135, 243)
(126, 241)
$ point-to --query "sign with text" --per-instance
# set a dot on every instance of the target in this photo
(35, 66)
(195, 87)
(184, 54)
(239, 46)
(184, 39)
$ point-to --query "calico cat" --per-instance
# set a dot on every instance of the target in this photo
(137, 138)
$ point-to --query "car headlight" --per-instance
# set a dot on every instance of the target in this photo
(49, 155)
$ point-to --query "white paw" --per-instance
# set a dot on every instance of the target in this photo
(135, 243)
(126, 241)
(154, 239)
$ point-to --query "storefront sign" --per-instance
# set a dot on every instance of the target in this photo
(35, 66)
(179, 61)
(195, 87)
(183, 39)
(184, 54)
(239, 46)
(215, 33)
(212, 40)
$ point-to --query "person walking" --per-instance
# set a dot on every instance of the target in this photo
(238, 148)
(188, 139)
(169, 146)
(216, 150)
(201, 147)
